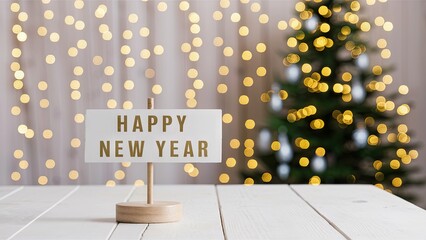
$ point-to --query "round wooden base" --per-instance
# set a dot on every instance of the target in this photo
(141, 212)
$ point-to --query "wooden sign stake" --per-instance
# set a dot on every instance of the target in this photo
(150, 166)
(149, 190)
(149, 212)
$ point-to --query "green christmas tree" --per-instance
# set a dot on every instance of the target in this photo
(330, 121)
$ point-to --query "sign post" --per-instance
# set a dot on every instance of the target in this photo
(153, 135)
(150, 167)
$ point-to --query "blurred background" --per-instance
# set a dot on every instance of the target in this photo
(60, 58)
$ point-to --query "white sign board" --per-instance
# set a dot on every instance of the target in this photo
(153, 135)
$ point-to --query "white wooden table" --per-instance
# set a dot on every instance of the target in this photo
(212, 212)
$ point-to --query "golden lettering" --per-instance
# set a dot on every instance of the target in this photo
(121, 123)
(188, 149)
(104, 148)
(118, 148)
(160, 147)
(202, 148)
(136, 148)
(181, 120)
(173, 148)
(137, 124)
(152, 120)
(167, 120)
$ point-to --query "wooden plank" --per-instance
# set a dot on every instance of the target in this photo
(366, 212)
(201, 218)
(6, 191)
(126, 231)
(21, 208)
(270, 212)
(87, 214)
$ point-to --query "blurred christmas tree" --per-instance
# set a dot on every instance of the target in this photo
(329, 121)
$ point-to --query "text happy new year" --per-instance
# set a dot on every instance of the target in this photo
(153, 135)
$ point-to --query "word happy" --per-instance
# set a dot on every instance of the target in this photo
(152, 123)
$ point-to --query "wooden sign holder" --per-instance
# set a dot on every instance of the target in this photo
(149, 211)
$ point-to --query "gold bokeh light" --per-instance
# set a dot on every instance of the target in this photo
(140, 52)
